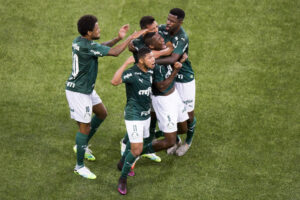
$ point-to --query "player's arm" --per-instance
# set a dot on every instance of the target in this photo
(122, 32)
(117, 78)
(165, 52)
(117, 50)
(169, 60)
(163, 85)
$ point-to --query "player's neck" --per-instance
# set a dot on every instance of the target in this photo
(87, 37)
(142, 67)
(175, 31)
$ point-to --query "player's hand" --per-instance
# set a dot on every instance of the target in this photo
(123, 31)
(137, 34)
(183, 58)
(130, 60)
(177, 65)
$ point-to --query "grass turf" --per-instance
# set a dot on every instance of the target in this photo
(245, 55)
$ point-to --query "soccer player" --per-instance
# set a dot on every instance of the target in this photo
(185, 81)
(149, 23)
(80, 93)
(138, 82)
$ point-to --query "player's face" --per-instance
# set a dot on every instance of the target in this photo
(149, 60)
(96, 32)
(158, 42)
(172, 23)
(153, 27)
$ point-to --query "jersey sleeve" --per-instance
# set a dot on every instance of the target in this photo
(180, 45)
(158, 73)
(99, 50)
(138, 43)
(128, 77)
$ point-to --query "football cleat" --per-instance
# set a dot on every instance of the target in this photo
(173, 149)
(152, 156)
(182, 149)
(85, 172)
(122, 186)
(88, 153)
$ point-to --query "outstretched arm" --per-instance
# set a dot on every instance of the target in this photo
(117, 79)
(117, 50)
(163, 85)
(122, 32)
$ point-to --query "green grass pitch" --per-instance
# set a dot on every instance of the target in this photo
(245, 55)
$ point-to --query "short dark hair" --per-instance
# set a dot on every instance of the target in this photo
(86, 23)
(179, 13)
(145, 21)
(142, 52)
(148, 38)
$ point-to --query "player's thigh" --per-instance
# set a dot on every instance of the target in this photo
(136, 129)
(187, 93)
(98, 107)
(166, 113)
(80, 106)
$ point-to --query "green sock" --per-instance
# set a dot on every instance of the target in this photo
(81, 142)
(127, 164)
(148, 148)
(94, 126)
(190, 133)
(149, 139)
(126, 138)
(159, 134)
(127, 150)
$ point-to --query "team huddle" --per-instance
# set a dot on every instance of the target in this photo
(160, 89)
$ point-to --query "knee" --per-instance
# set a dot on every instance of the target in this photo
(137, 151)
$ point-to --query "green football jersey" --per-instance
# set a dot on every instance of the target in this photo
(138, 90)
(85, 55)
(180, 43)
(138, 43)
(161, 73)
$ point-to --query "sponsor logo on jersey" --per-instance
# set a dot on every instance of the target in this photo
(96, 53)
(145, 113)
(141, 80)
(128, 75)
(146, 92)
(70, 84)
(137, 73)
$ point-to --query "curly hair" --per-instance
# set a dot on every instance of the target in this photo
(86, 23)
(179, 13)
(142, 52)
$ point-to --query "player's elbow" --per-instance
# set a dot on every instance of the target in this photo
(115, 82)
(113, 52)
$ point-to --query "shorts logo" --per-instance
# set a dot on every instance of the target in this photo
(134, 133)
(170, 124)
(87, 112)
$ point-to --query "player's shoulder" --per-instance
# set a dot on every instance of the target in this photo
(182, 35)
(162, 30)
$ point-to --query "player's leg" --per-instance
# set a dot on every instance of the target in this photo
(187, 94)
(81, 110)
(135, 134)
(151, 156)
(100, 114)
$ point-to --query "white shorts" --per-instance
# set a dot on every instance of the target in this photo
(137, 130)
(169, 111)
(187, 93)
(81, 105)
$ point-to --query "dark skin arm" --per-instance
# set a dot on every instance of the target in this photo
(163, 85)
(169, 60)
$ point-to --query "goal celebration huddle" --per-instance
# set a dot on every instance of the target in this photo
(160, 90)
